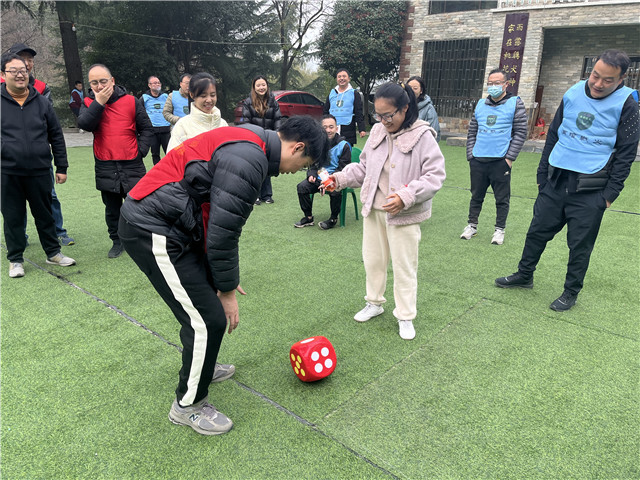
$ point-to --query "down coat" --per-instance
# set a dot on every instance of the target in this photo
(416, 170)
(117, 174)
(230, 181)
(272, 117)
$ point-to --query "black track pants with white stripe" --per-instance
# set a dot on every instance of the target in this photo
(180, 274)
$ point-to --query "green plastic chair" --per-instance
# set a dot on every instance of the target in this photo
(355, 158)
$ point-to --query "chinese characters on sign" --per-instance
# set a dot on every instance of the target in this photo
(515, 34)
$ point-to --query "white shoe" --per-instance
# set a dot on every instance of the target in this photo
(61, 260)
(498, 237)
(368, 312)
(469, 231)
(16, 270)
(407, 332)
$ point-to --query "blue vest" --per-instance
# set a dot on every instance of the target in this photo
(79, 93)
(495, 124)
(334, 156)
(180, 104)
(154, 106)
(342, 105)
(587, 135)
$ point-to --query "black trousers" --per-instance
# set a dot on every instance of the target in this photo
(158, 139)
(554, 208)
(17, 190)
(497, 175)
(266, 190)
(306, 188)
(112, 205)
(179, 272)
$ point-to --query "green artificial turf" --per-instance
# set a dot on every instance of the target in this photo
(495, 385)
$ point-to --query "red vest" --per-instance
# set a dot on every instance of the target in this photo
(39, 85)
(116, 136)
(201, 148)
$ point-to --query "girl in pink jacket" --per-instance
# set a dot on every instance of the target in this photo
(401, 168)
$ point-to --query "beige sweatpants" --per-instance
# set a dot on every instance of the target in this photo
(400, 242)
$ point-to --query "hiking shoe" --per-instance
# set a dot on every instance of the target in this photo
(61, 260)
(407, 332)
(368, 312)
(498, 237)
(515, 280)
(116, 250)
(203, 417)
(564, 302)
(269, 200)
(66, 241)
(304, 222)
(328, 224)
(257, 202)
(16, 270)
(469, 231)
(222, 372)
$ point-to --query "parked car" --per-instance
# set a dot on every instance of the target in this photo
(291, 102)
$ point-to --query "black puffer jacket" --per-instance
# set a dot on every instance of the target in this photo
(272, 117)
(114, 174)
(27, 132)
(231, 181)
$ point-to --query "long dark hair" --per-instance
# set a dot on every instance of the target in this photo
(261, 105)
(400, 95)
(423, 87)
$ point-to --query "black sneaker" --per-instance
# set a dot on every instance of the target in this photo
(515, 280)
(564, 302)
(304, 222)
(257, 202)
(269, 200)
(115, 251)
(328, 224)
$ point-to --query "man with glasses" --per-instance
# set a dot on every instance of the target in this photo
(122, 134)
(586, 159)
(497, 132)
(154, 101)
(30, 132)
(28, 54)
(177, 104)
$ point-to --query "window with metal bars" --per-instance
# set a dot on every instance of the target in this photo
(447, 6)
(453, 71)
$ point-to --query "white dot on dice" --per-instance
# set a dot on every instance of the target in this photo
(318, 367)
(315, 356)
(325, 351)
(328, 363)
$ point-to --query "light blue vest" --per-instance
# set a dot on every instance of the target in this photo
(334, 156)
(342, 105)
(180, 104)
(495, 124)
(587, 135)
(154, 106)
(79, 93)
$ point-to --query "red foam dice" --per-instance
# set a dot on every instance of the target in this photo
(313, 358)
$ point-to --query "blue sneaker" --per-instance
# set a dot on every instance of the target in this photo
(66, 241)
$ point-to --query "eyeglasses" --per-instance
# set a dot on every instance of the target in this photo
(15, 73)
(494, 84)
(102, 81)
(387, 117)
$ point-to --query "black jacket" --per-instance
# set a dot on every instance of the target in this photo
(231, 182)
(272, 117)
(112, 175)
(611, 178)
(29, 134)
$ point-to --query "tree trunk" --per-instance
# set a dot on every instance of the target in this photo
(284, 70)
(70, 51)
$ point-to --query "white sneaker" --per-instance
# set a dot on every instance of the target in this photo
(61, 260)
(203, 417)
(498, 237)
(16, 270)
(368, 312)
(407, 332)
(469, 231)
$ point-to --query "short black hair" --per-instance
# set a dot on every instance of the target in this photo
(152, 76)
(199, 83)
(306, 129)
(423, 87)
(7, 57)
(615, 58)
(184, 75)
(77, 82)
(400, 95)
(343, 70)
(327, 116)
(505, 75)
